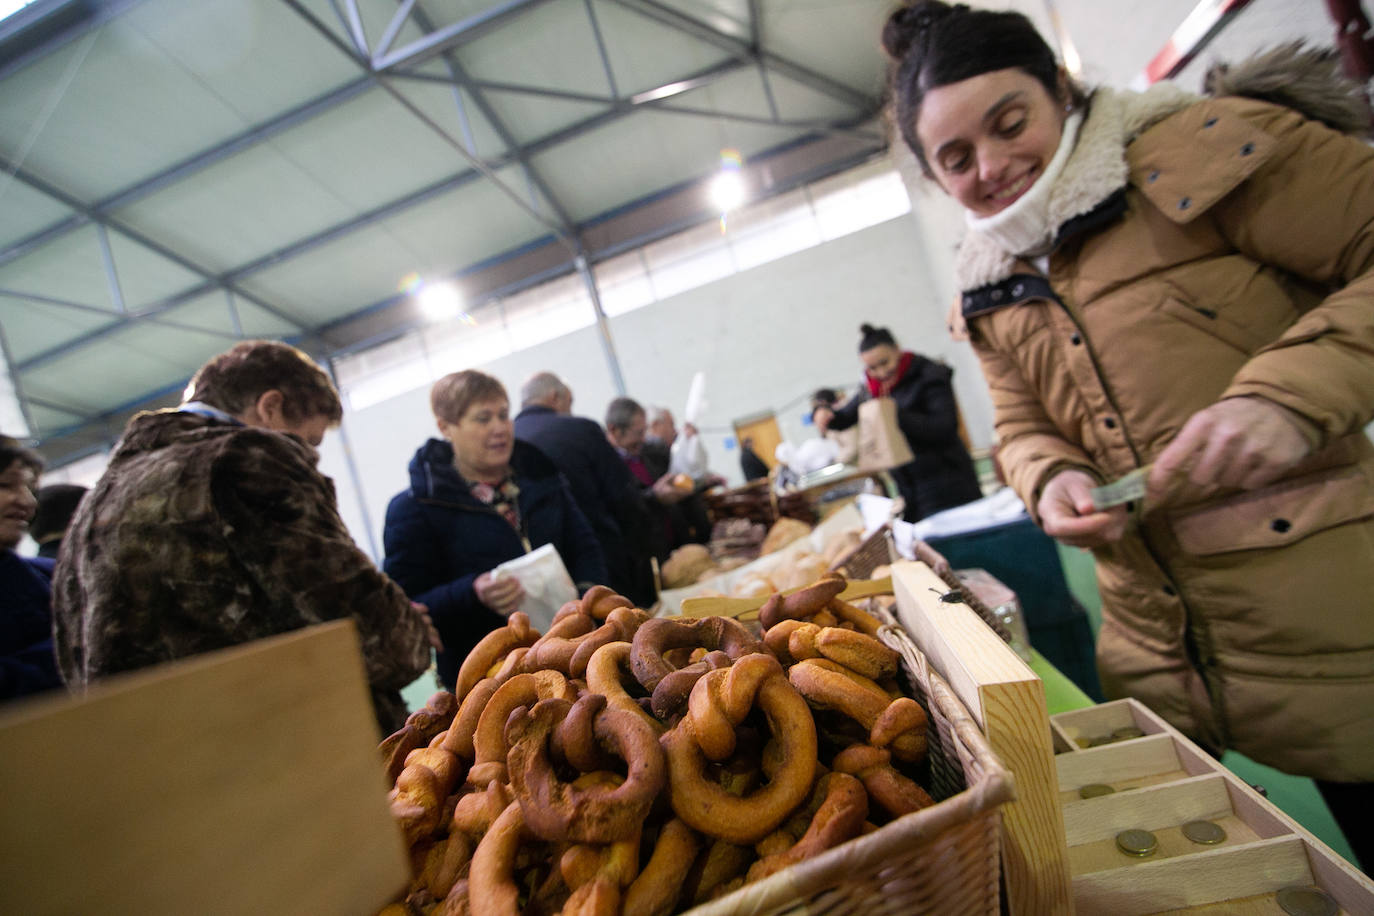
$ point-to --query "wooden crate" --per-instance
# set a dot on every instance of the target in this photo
(1161, 781)
(1007, 700)
(244, 781)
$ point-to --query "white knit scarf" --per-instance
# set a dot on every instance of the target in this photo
(1024, 228)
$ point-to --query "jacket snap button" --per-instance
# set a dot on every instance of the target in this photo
(1111, 424)
(1209, 122)
(1247, 149)
(1185, 203)
(1153, 176)
(1281, 525)
(1018, 289)
(1075, 339)
(997, 295)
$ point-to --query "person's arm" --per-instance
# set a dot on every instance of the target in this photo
(414, 558)
(1049, 473)
(283, 523)
(1306, 208)
(31, 669)
(847, 414)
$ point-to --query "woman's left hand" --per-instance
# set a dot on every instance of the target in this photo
(1239, 443)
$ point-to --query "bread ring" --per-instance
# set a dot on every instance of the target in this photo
(489, 740)
(599, 601)
(475, 811)
(672, 692)
(598, 875)
(898, 723)
(458, 738)
(417, 803)
(395, 747)
(860, 653)
(492, 649)
(840, 817)
(444, 863)
(660, 635)
(492, 889)
(606, 672)
(730, 694)
(656, 890)
(419, 730)
(718, 865)
(802, 603)
(580, 811)
(570, 642)
(860, 619)
(895, 793)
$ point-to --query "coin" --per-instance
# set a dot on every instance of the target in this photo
(1094, 790)
(1137, 843)
(1306, 901)
(1204, 832)
(1130, 731)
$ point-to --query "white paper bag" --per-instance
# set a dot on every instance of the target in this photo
(546, 583)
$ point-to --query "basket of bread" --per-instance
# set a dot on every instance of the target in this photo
(621, 763)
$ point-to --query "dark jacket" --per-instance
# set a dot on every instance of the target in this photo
(602, 487)
(941, 475)
(687, 518)
(204, 534)
(439, 539)
(27, 664)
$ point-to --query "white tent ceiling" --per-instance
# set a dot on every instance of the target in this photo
(175, 175)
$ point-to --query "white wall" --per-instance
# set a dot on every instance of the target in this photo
(765, 338)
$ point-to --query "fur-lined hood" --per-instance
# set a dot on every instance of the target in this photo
(1307, 80)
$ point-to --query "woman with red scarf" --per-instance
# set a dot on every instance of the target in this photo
(941, 475)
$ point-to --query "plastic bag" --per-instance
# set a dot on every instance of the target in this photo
(688, 456)
(546, 582)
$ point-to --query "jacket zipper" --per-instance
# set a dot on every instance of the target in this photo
(1190, 646)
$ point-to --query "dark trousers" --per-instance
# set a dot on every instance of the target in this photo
(1350, 804)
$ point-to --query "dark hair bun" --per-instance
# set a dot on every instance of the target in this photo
(866, 329)
(910, 24)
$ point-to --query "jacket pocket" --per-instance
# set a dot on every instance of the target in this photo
(1280, 514)
(1214, 323)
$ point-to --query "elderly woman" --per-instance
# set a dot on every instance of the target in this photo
(477, 498)
(1156, 280)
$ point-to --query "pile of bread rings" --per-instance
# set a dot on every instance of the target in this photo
(626, 764)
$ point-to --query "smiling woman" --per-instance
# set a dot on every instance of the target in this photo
(1115, 240)
(478, 498)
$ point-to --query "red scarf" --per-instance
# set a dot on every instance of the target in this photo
(882, 389)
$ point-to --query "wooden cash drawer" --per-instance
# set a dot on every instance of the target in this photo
(1161, 781)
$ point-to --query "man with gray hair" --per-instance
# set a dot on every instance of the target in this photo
(601, 484)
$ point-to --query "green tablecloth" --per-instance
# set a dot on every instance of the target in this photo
(1061, 694)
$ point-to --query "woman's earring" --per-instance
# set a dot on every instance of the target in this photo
(1068, 108)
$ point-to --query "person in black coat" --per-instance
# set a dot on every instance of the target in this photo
(477, 498)
(601, 484)
(941, 474)
(27, 662)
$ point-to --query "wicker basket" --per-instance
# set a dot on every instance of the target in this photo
(943, 859)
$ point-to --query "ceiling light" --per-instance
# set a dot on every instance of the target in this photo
(727, 191)
(440, 301)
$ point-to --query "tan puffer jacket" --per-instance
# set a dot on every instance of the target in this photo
(1208, 249)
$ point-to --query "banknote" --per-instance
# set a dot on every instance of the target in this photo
(1124, 490)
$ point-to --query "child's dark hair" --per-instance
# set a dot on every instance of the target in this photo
(871, 337)
(934, 44)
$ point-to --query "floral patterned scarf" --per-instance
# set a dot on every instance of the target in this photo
(504, 497)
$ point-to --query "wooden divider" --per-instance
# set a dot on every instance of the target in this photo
(1008, 701)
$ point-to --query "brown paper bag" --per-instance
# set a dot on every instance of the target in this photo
(881, 443)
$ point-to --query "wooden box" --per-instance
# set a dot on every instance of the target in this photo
(243, 781)
(1007, 701)
(1162, 781)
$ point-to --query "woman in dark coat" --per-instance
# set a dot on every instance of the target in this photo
(941, 475)
(478, 498)
(27, 664)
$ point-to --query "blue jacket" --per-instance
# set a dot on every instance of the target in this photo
(27, 662)
(439, 539)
